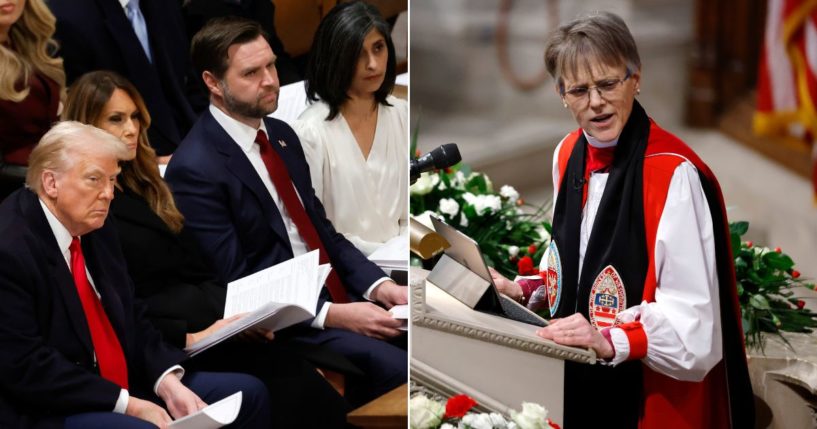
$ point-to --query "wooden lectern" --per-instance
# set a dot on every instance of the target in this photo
(497, 361)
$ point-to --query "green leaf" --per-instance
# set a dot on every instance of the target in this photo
(739, 227)
(759, 301)
(778, 261)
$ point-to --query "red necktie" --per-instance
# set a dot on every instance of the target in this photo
(598, 159)
(108, 351)
(286, 190)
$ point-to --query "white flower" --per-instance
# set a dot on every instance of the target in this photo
(513, 251)
(533, 416)
(543, 233)
(463, 220)
(424, 184)
(442, 186)
(458, 180)
(483, 203)
(498, 422)
(478, 421)
(425, 413)
(510, 193)
(448, 426)
(449, 206)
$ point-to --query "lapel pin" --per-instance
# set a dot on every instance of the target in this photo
(282, 143)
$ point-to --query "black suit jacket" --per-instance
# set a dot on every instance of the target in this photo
(167, 269)
(96, 35)
(233, 216)
(47, 367)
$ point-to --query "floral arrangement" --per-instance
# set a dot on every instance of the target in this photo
(765, 279)
(511, 238)
(427, 413)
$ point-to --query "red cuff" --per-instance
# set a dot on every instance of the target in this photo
(637, 338)
(529, 285)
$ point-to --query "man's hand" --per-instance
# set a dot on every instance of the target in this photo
(364, 318)
(198, 336)
(148, 411)
(257, 335)
(506, 286)
(576, 331)
(180, 400)
(390, 294)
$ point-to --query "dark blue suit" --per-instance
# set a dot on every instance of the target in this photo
(47, 365)
(96, 35)
(239, 227)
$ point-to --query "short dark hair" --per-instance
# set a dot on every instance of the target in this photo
(335, 51)
(210, 44)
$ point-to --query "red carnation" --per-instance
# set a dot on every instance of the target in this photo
(749, 244)
(531, 249)
(553, 425)
(520, 201)
(800, 304)
(525, 266)
(795, 274)
(458, 406)
(778, 250)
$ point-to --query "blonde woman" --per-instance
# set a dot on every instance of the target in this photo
(32, 82)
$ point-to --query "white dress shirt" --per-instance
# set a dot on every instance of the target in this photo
(244, 136)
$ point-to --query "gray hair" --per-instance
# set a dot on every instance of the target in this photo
(599, 36)
(64, 144)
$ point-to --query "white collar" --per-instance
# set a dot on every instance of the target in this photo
(241, 133)
(61, 233)
(592, 141)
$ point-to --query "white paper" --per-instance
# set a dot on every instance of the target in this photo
(401, 312)
(213, 416)
(393, 254)
(291, 102)
(274, 298)
(292, 282)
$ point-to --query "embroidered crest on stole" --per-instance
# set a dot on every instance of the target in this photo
(553, 277)
(607, 298)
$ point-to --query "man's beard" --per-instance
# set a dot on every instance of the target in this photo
(243, 108)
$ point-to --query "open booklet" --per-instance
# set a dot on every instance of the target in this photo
(213, 416)
(273, 298)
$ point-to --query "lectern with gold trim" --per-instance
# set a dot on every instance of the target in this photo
(497, 361)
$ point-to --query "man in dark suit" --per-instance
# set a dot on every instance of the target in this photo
(77, 350)
(143, 40)
(243, 185)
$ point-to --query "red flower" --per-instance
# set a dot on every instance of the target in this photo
(457, 406)
(749, 244)
(525, 266)
(778, 250)
(448, 170)
(520, 201)
(553, 425)
(512, 258)
(800, 304)
(531, 249)
(795, 274)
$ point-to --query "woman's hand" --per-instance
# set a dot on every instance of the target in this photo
(198, 336)
(506, 286)
(576, 331)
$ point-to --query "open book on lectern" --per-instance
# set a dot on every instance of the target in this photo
(274, 298)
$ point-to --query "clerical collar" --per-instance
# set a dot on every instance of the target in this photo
(592, 141)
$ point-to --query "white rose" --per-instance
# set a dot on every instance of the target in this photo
(425, 413)
(449, 206)
(478, 421)
(469, 198)
(493, 202)
(513, 251)
(510, 193)
(424, 184)
(533, 416)
(543, 233)
(448, 426)
(458, 180)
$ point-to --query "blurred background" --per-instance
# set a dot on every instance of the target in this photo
(478, 80)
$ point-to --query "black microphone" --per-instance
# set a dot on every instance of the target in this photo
(442, 157)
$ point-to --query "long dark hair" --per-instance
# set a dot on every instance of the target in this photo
(86, 100)
(335, 51)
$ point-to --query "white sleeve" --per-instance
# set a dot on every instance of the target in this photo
(312, 144)
(682, 326)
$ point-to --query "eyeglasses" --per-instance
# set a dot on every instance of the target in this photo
(605, 88)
